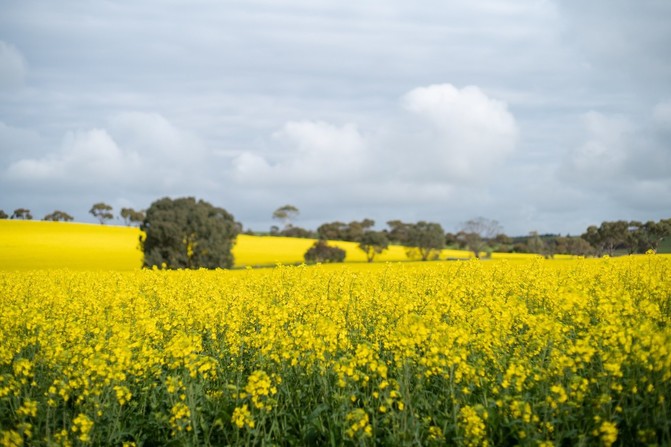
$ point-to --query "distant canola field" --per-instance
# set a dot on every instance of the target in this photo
(26, 245)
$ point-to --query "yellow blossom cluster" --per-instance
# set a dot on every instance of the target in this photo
(528, 352)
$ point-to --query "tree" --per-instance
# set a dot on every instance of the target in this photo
(355, 229)
(647, 236)
(185, 233)
(130, 216)
(299, 232)
(502, 243)
(22, 214)
(322, 252)
(399, 232)
(286, 214)
(477, 232)
(3, 215)
(332, 231)
(339, 231)
(535, 244)
(427, 237)
(373, 243)
(59, 216)
(578, 246)
(102, 212)
(608, 236)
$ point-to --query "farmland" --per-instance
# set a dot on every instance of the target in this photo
(476, 353)
(26, 245)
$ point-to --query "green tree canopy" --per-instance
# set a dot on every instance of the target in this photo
(373, 243)
(130, 216)
(3, 215)
(427, 237)
(59, 216)
(22, 214)
(185, 233)
(322, 252)
(339, 231)
(102, 212)
(286, 214)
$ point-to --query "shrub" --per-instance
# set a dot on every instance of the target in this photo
(322, 252)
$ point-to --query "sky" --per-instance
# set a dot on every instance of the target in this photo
(546, 116)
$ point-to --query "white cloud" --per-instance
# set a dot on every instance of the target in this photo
(306, 152)
(85, 156)
(155, 137)
(12, 66)
(135, 150)
(469, 132)
(453, 138)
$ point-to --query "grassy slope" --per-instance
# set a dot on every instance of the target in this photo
(28, 245)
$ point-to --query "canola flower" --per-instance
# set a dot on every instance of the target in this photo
(471, 353)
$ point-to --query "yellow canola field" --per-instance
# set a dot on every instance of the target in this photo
(530, 353)
(26, 245)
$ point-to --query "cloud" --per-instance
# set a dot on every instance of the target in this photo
(457, 137)
(85, 156)
(662, 115)
(604, 153)
(134, 151)
(626, 162)
(467, 135)
(12, 66)
(306, 152)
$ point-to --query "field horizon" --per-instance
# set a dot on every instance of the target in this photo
(26, 245)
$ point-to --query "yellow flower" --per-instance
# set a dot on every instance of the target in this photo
(608, 431)
(359, 424)
(242, 417)
(82, 425)
(29, 408)
(180, 418)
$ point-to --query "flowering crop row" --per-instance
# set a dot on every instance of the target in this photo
(461, 353)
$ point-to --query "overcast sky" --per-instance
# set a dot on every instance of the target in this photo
(545, 115)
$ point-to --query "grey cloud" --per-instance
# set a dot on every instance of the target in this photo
(12, 67)
(626, 161)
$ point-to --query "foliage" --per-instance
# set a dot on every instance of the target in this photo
(373, 243)
(322, 252)
(631, 237)
(427, 237)
(298, 232)
(399, 232)
(469, 353)
(286, 214)
(185, 233)
(339, 231)
(130, 216)
(58, 216)
(424, 240)
(3, 215)
(477, 233)
(102, 212)
(22, 214)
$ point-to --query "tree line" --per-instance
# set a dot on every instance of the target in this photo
(186, 233)
(101, 211)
